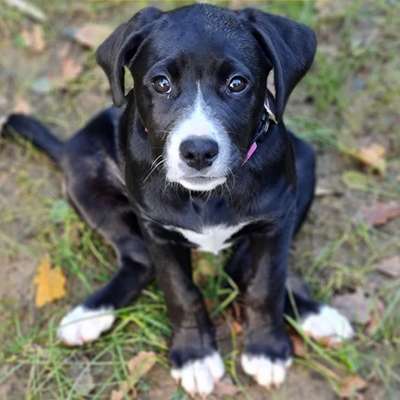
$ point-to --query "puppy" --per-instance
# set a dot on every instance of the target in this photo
(196, 156)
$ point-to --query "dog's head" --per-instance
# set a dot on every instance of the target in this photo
(200, 75)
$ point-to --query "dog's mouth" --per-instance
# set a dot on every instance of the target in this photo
(201, 183)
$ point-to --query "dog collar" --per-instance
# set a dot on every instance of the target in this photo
(263, 127)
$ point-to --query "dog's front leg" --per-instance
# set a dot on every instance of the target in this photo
(194, 356)
(267, 349)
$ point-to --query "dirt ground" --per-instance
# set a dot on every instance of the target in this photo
(349, 102)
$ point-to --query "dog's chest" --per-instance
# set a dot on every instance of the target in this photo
(213, 238)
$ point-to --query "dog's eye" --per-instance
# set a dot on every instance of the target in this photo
(237, 84)
(161, 84)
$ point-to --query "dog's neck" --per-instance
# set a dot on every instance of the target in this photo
(267, 118)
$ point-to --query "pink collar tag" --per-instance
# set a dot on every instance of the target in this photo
(250, 152)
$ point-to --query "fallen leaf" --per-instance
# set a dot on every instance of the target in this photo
(299, 348)
(70, 69)
(117, 395)
(22, 106)
(372, 156)
(225, 387)
(236, 327)
(390, 266)
(34, 38)
(380, 213)
(50, 283)
(351, 385)
(355, 306)
(139, 366)
(89, 35)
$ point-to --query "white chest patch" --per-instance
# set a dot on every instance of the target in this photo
(211, 238)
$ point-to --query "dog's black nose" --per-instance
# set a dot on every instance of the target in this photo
(199, 152)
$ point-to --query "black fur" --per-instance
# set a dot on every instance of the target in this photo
(107, 164)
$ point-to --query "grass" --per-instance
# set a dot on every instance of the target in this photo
(332, 108)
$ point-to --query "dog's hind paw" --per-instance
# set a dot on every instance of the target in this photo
(266, 372)
(200, 376)
(82, 325)
(327, 324)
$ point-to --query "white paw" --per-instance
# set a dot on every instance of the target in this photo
(200, 376)
(83, 325)
(329, 324)
(266, 372)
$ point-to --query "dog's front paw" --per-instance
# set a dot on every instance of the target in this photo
(82, 325)
(327, 324)
(266, 357)
(200, 376)
(266, 371)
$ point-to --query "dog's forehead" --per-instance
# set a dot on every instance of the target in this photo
(205, 29)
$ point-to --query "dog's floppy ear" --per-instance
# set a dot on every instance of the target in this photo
(289, 45)
(121, 46)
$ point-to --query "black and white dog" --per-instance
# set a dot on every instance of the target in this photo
(196, 155)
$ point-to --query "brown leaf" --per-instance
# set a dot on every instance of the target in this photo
(225, 387)
(390, 266)
(50, 283)
(34, 38)
(299, 347)
(351, 385)
(91, 35)
(380, 213)
(70, 69)
(117, 395)
(355, 306)
(139, 366)
(22, 106)
(372, 156)
(236, 327)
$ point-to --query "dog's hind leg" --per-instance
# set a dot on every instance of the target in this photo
(317, 320)
(99, 197)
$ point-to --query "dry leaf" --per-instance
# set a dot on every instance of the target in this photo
(34, 38)
(90, 35)
(139, 366)
(299, 348)
(351, 385)
(50, 283)
(70, 69)
(22, 106)
(390, 266)
(380, 213)
(372, 156)
(355, 306)
(236, 327)
(225, 387)
(117, 395)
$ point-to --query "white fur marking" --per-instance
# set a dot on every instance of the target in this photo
(82, 325)
(266, 372)
(328, 323)
(200, 376)
(211, 238)
(198, 123)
